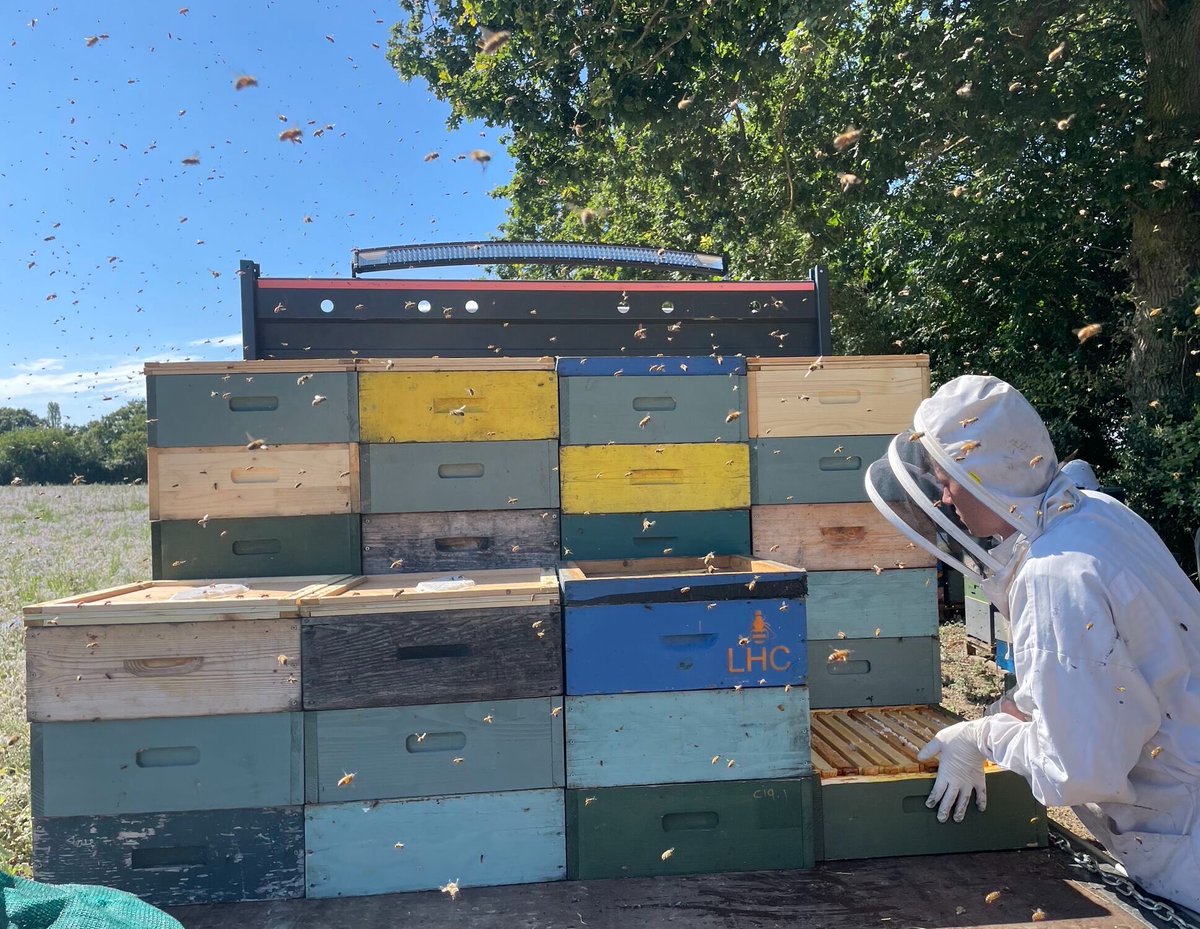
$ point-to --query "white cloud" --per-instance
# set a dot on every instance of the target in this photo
(40, 364)
(97, 385)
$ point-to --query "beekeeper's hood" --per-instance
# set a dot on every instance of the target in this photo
(981, 433)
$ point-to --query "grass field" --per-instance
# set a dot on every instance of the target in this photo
(56, 541)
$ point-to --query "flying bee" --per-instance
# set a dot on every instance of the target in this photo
(459, 760)
(732, 415)
(1056, 55)
(451, 888)
(346, 779)
(644, 421)
(588, 801)
(317, 399)
(1086, 332)
(992, 897)
(845, 139)
(191, 160)
(554, 711)
(244, 81)
(254, 444)
(848, 181)
(730, 763)
(639, 332)
(459, 411)
(492, 40)
(966, 422)
(1035, 460)
(667, 854)
(839, 654)
(480, 156)
(294, 135)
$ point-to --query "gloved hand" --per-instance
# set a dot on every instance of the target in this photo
(1006, 704)
(960, 769)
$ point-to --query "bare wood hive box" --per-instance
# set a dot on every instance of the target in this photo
(133, 652)
(235, 481)
(833, 537)
(837, 395)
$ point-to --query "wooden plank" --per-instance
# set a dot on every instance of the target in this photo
(654, 647)
(824, 469)
(671, 580)
(229, 409)
(242, 368)
(455, 476)
(398, 593)
(877, 672)
(433, 750)
(170, 859)
(837, 362)
(257, 546)
(897, 603)
(949, 894)
(670, 738)
(840, 396)
(401, 364)
(231, 481)
(421, 658)
(608, 536)
(887, 817)
(462, 541)
(107, 767)
(457, 406)
(163, 669)
(652, 410)
(174, 601)
(710, 827)
(633, 478)
(833, 537)
(511, 837)
(652, 365)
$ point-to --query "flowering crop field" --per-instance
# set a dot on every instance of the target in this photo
(56, 541)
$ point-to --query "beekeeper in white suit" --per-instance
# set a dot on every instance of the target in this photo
(1105, 629)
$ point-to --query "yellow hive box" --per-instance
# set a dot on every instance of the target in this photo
(457, 406)
(654, 478)
(842, 395)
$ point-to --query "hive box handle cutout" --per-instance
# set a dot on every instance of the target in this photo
(848, 395)
(253, 404)
(837, 463)
(257, 547)
(254, 475)
(152, 859)
(436, 742)
(176, 757)
(653, 404)
(655, 476)
(858, 666)
(460, 470)
(680, 822)
(463, 543)
(689, 640)
(424, 652)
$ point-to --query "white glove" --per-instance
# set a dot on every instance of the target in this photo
(960, 769)
(1006, 704)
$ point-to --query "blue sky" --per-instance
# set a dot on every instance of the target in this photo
(134, 254)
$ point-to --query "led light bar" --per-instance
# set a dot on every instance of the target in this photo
(398, 257)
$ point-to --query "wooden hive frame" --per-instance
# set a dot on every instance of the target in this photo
(396, 593)
(876, 741)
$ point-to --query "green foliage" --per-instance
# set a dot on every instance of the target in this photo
(110, 450)
(11, 419)
(977, 177)
(116, 443)
(41, 455)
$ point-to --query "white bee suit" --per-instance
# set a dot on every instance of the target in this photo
(1105, 630)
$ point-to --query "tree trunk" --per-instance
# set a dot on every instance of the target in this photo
(1164, 252)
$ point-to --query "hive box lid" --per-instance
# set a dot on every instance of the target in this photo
(876, 741)
(397, 593)
(545, 363)
(642, 580)
(151, 602)
(617, 365)
(265, 366)
(838, 361)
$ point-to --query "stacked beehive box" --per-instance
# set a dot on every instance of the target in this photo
(988, 631)
(654, 458)
(459, 462)
(433, 732)
(687, 739)
(253, 469)
(873, 790)
(816, 425)
(166, 739)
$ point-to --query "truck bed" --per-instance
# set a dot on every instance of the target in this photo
(942, 891)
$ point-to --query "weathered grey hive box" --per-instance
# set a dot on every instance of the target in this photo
(383, 641)
(470, 540)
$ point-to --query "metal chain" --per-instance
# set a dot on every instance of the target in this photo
(1122, 885)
